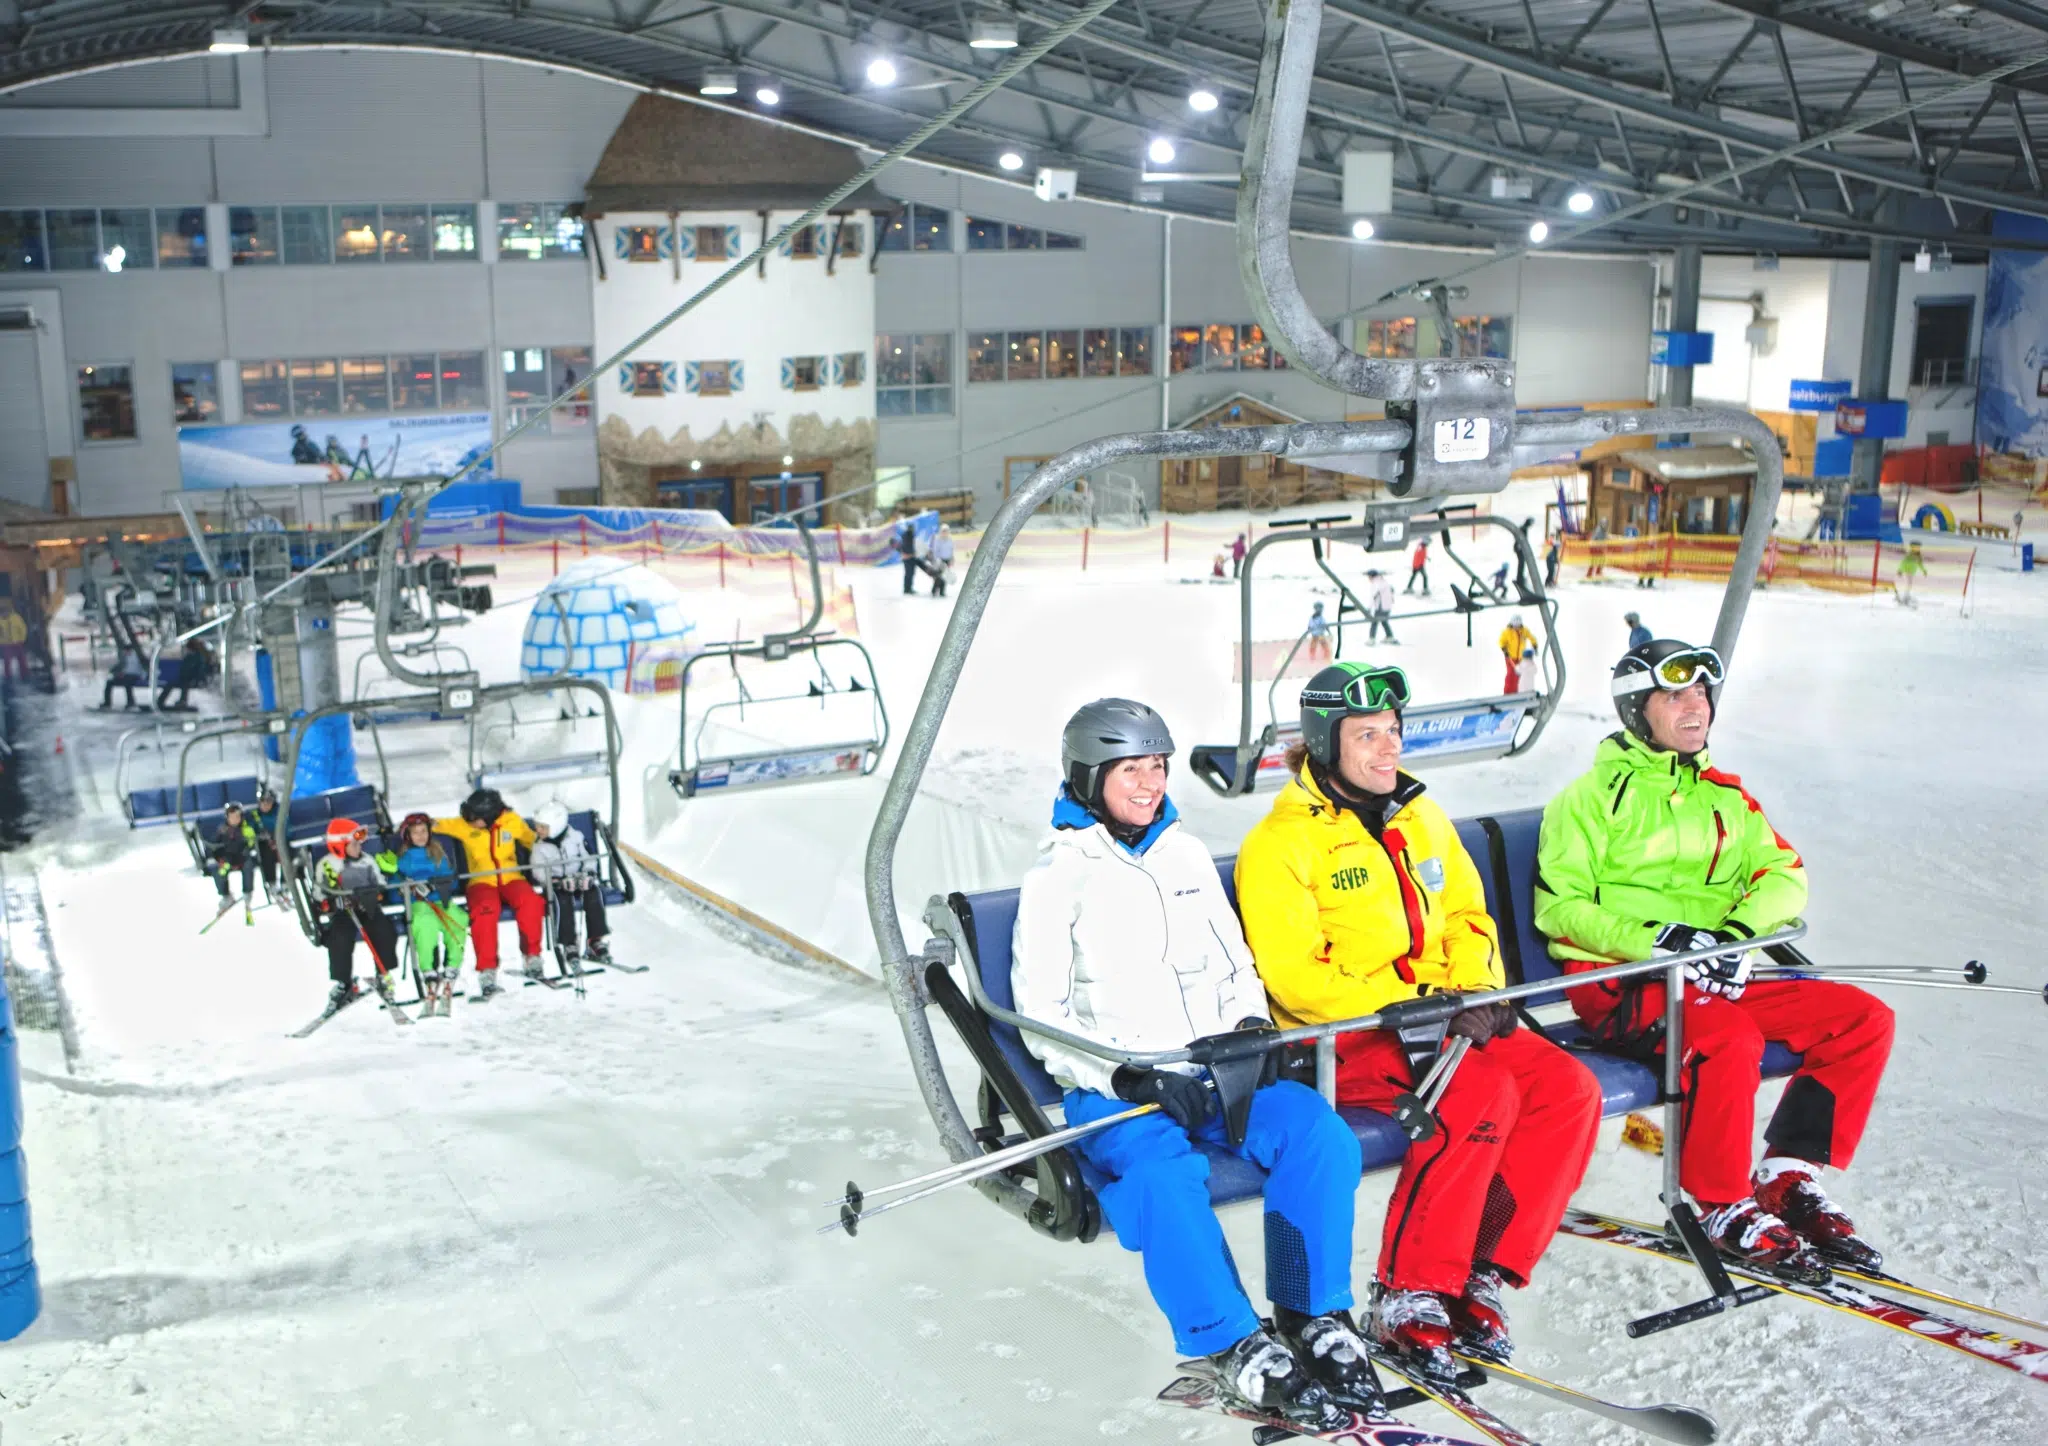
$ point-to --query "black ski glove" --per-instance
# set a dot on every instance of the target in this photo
(1182, 1097)
(1484, 1022)
(1723, 974)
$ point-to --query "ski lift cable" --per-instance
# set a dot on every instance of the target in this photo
(1017, 65)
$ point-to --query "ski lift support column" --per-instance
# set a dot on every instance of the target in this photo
(1450, 428)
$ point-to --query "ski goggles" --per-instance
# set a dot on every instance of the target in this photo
(1373, 691)
(1673, 674)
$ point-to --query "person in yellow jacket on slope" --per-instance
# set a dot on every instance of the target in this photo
(492, 880)
(1517, 651)
(1356, 893)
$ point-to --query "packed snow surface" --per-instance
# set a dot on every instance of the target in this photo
(592, 1220)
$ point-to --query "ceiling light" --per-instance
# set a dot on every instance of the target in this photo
(881, 71)
(1539, 232)
(229, 42)
(1160, 152)
(116, 257)
(1923, 260)
(788, 461)
(1943, 258)
(695, 465)
(719, 82)
(768, 95)
(1579, 202)
(1361, 229)
(1010, 161)
(1202, 99)
(992, 33)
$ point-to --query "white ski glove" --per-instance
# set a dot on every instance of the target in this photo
(1727, 974)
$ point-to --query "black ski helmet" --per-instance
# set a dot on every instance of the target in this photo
(1101, 733)
(1635, 679)
(1344, 690)
(483, 807)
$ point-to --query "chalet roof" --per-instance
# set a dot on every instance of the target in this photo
(1685, 464)
(671, 155)
(1215, 414)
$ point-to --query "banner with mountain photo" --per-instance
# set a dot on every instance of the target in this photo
(333, 449)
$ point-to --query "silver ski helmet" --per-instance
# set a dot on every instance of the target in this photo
(1668, 664)
(1101, 733)
(1345, 690)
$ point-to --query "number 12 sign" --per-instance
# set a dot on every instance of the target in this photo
(1464, 439)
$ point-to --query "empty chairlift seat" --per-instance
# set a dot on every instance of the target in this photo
(147, 807)
(311, 814)
(1504, 848)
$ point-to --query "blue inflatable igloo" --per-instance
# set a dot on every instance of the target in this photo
(592, 617)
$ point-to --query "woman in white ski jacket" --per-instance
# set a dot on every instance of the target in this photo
(566, 873)
(1125, 936)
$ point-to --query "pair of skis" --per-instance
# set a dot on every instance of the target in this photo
(248, 913)
(1202, 1389)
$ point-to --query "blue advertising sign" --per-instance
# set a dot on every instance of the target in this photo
(1819, 396)
(332, 449)
(1871, 419)
(1681, 348)
(1834, 457)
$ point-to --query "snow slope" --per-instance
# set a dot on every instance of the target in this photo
(567, 1221)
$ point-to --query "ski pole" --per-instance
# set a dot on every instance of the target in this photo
(1415, 1111)
(961, 1172)
(1974, 972)
(1899, 979)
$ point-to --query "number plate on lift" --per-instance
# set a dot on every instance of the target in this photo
(1464, 439)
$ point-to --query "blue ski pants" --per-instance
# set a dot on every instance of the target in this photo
(1158, 1204)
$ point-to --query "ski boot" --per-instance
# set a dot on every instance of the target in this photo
(1791, 1190)
(487, 987)
(1746, 1232)
(1336, 1356)
(341, 992)
(1262, 1373)
(600, 951)
(1481, 1318)
(1414, 1326)
(530, 966)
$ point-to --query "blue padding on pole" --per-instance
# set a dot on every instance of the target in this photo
(327, 757)
(13, 1180)
(21, 1295)
(21, 1301)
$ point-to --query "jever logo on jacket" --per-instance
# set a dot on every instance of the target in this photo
(1347, 879)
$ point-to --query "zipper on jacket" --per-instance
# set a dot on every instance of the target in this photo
(1396, 847)
(1720, 841)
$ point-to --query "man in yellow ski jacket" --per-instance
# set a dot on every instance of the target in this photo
(1356, 893)
(491, 835)
(1517, 651)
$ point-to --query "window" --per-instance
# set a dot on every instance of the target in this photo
(1023, 238)
(850, 368)
(355, 233)
(984, 357)
(21, 241)
(316, 387)
(462, 382)
(181, 236)
(805, 373)
(714, 378)
(1098, 353)
(521, 233)
(454, 233)
(985, 235)
(647, 379)
(127, 240)
(914, 374)
(1186, 349)
(195, 392)
(106, 402)
(711, 243)
(266, 389)
(1485, 336)
(533, 374)
(563, 230)
(307, 239)
(571, 365)
(1219, 347)
(1026, 356)
(1060, 241)
(1252, 353)
(917, 228)
(643, 243)
(1941, 341)
(804, 244)
(253, 236)
(849, 237)
(365, 384)
(74, 238)
(405, 233)
(1063, 354)
(413, 386)
(1134, 352)
(1392, 338)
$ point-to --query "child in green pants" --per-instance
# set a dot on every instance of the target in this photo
(438, 924)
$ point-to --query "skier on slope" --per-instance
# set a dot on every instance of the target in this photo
(1124, 935)
(566, 872)
(1517, 646)
(265, 821)
(1380, 594)
(435, 921)
(1656, 851)
(350, 893)
(234, 848)
(491, 834)
(1356, 893)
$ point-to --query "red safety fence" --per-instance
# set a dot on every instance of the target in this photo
(1846, 567)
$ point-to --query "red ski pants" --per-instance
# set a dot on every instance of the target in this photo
(1516, 1128)
(1843, 1035)
(487, 901)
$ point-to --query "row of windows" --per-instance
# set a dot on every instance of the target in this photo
(127, 239)
(920, 227)
(722, 243)
(1221, 346)
(1477, 336)
(1018, 356)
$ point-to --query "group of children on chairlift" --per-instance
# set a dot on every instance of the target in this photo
(457, 878)
(1355, 893)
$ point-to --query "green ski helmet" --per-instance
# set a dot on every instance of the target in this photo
(1341, 691)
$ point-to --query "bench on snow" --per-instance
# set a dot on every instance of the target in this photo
(1014, 1083)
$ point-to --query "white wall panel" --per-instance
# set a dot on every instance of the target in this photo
(545, 130)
